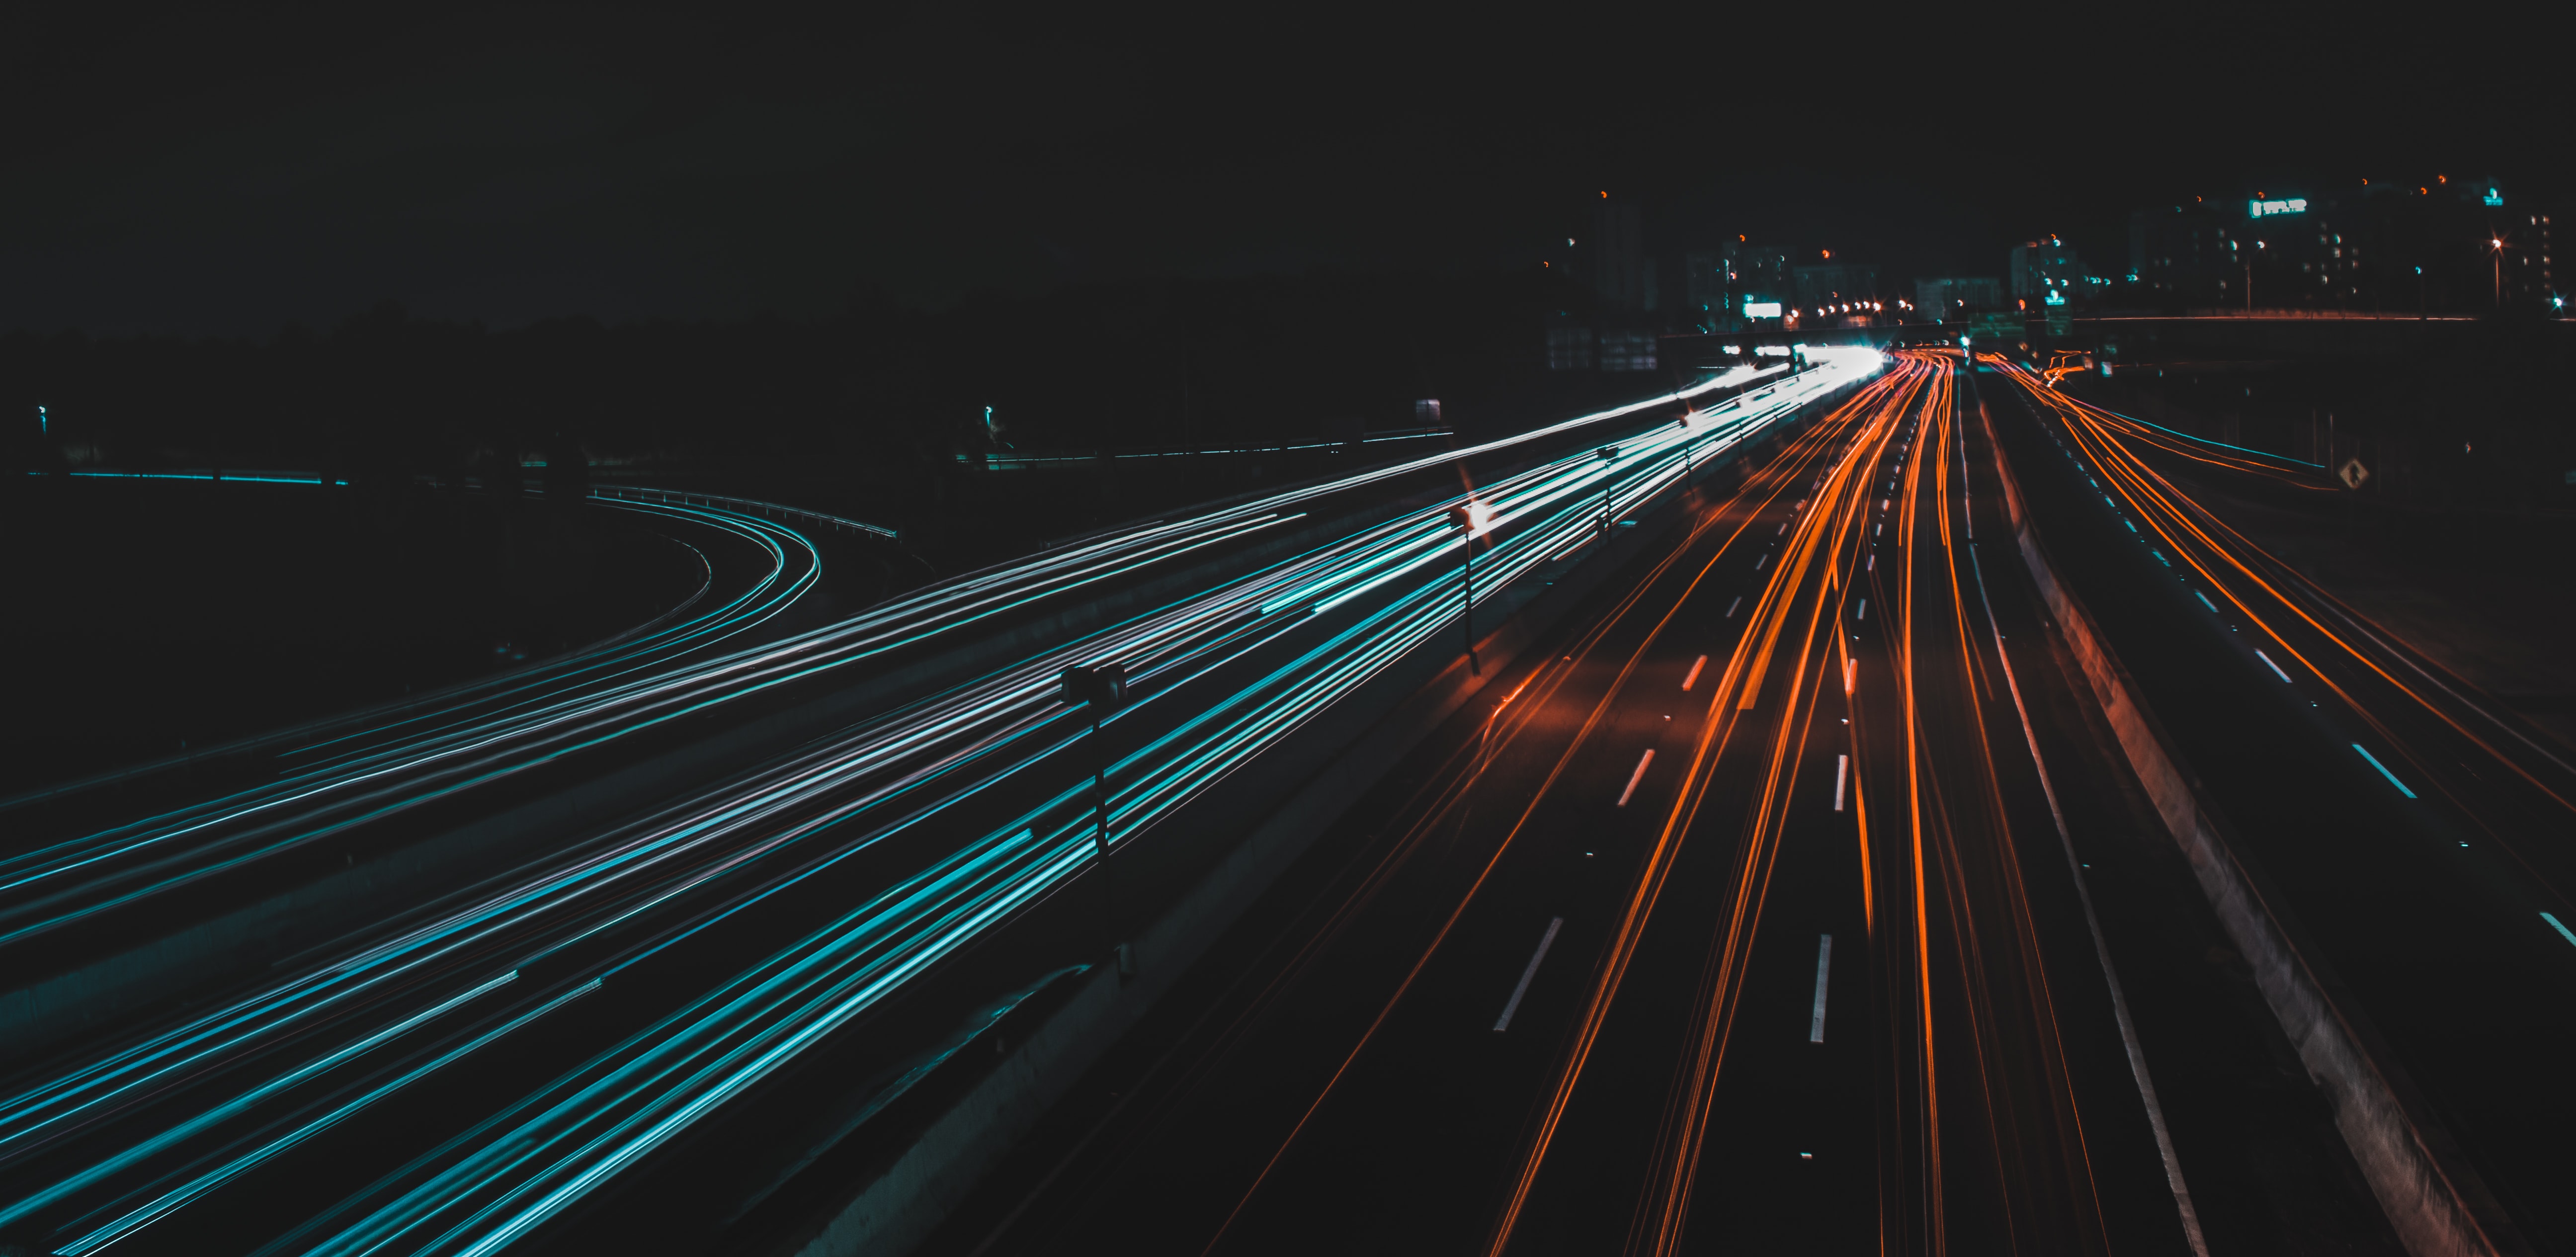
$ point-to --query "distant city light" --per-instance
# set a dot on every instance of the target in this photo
(2056, 298)
(2494, 197)
(2265, 209)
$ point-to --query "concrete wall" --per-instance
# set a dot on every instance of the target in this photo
(2434, 1201)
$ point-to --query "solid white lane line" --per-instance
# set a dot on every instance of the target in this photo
(1635, 777)
(2267, 662)
(1730, 607)
(2560, 926)
(2101, 947)
(1504, 1022)
(1694, 673)
(1842, 774)
(1824, 970)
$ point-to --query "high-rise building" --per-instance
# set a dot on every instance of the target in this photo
(2047, 272)
(2436, 245)
(1616, 256)
(2183, 255)
(1756, 274)
(1957, 297)
(1704, 289)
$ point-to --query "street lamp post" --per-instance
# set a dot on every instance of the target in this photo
(1103, 689)
(1607, 454)
(1463, 516)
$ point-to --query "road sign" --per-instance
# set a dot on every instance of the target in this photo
(2353, 473)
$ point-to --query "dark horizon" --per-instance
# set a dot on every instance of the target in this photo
(198, 174)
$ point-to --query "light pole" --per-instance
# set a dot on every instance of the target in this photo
(1103, 689)
(1469, 518)
(1607, 454)
(2496, 246)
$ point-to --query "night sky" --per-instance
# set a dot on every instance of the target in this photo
(205, 173)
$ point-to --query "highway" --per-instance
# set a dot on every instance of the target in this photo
(1744, 917)
(2418, 829)
(454, 1076)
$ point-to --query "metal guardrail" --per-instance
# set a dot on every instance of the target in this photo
(766, 510)
(1022, 462)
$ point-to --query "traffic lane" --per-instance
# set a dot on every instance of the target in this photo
(1387, 1119)
(1661, 1048)
(2406, 919)
(1792, 1154)
(2505, 794)
(2473, 751)
(2358, 692)
(1945, 727)
(1791, 1158)
(1214, 1138)
(2130, 1179)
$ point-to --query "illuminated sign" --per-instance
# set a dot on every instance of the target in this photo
(2494, 197)
(1761, 309)
(2265, 209)
(2056, 298)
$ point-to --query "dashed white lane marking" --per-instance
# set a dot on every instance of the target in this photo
(1864, 610)
(1730, 607)
(1873, 563)
(1757, 563)
(1824, 970)
(1694, 673)
(1504, 1022)
(1842, 775)
(2204, 601)
(2383, 770)
(2267, 662)
(2560, 926)
(1635, 777)
(1850, 668)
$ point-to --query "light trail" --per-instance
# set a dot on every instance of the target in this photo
(2432, 722)
(86, 1155)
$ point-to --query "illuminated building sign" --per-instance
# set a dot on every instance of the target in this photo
(2265, 209)
(1761, 309)
(2494, 197)
(2056, 298)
